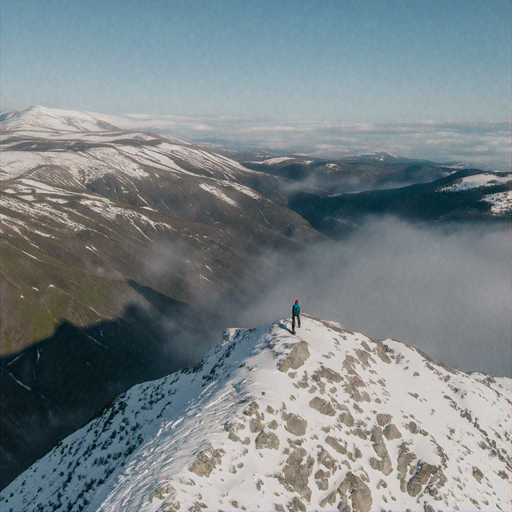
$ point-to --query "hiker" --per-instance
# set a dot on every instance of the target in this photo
(295, 315)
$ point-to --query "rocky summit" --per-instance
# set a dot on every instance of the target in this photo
(326, 419)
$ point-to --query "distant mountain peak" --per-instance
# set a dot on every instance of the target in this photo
(322, 420)
(43, 118)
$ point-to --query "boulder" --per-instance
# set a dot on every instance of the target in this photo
(267, 440)
(296, 358)
(296, 425)
(322, 406)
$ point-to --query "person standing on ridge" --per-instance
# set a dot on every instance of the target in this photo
(295, 315)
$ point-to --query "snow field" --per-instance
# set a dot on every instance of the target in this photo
(243, 431)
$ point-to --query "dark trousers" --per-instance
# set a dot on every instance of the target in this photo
(293, 321)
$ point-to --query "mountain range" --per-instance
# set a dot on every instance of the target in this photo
(119, 246)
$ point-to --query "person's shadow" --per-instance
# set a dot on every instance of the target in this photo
(285, 327)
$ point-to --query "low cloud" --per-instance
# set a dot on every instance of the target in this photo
(483, 144)
(445, 290)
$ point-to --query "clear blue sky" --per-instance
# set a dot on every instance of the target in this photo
(350, 61)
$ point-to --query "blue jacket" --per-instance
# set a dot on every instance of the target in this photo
(295, 310)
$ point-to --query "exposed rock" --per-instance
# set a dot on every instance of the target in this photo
(296, 505)
(198, 507)
(233, 437)
(322, 406)
(343, 505)
(327, 374)
(296, 425)
(322, 484)
(412, 427)
(297, 471)
(384, 464)
(162, 491)
(346, 418)
(384, 419)
(360, 432)
(357, 491)
(405, 457)
(351, 387)
(273, 424)
(325, 459)
(330, 499)
(356, 381)
(267, 440)
(420, 478)
(255, 425)
(322, 479)
(251, 408)
(381, 483)
(171, 506)
(391, 432)
(206, 461)
(296, 358)
(334, 443)
(381, 350)
(477, 474)
(349, 364)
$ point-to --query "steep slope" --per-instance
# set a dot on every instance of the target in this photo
(83, 205)
(327, 419)
(113, 244)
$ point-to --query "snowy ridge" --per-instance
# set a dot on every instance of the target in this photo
(501, 202)
(94, 147)
(53, 158)
(268, 420)
(484, 179)
(53, 119)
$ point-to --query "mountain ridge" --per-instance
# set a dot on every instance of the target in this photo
(269, 420)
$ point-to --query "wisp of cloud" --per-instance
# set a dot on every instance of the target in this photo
(444, 289)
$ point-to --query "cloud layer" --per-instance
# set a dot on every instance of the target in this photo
(483, 144)
(445, 290)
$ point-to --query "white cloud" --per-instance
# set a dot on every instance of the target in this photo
(485, 144)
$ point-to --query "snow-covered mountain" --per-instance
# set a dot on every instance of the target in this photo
(96, 220)
(499, 199)
(326, 419)
(336, 196)
(37, 118)
(72, 176)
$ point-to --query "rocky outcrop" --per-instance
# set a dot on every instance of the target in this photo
(255, 437)
(323, 406)
(296, 473)
(206, 461)
(354, 492)
(295, 424)
(298, 355)
(267, 440)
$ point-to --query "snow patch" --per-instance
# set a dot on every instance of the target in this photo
(216, 192)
